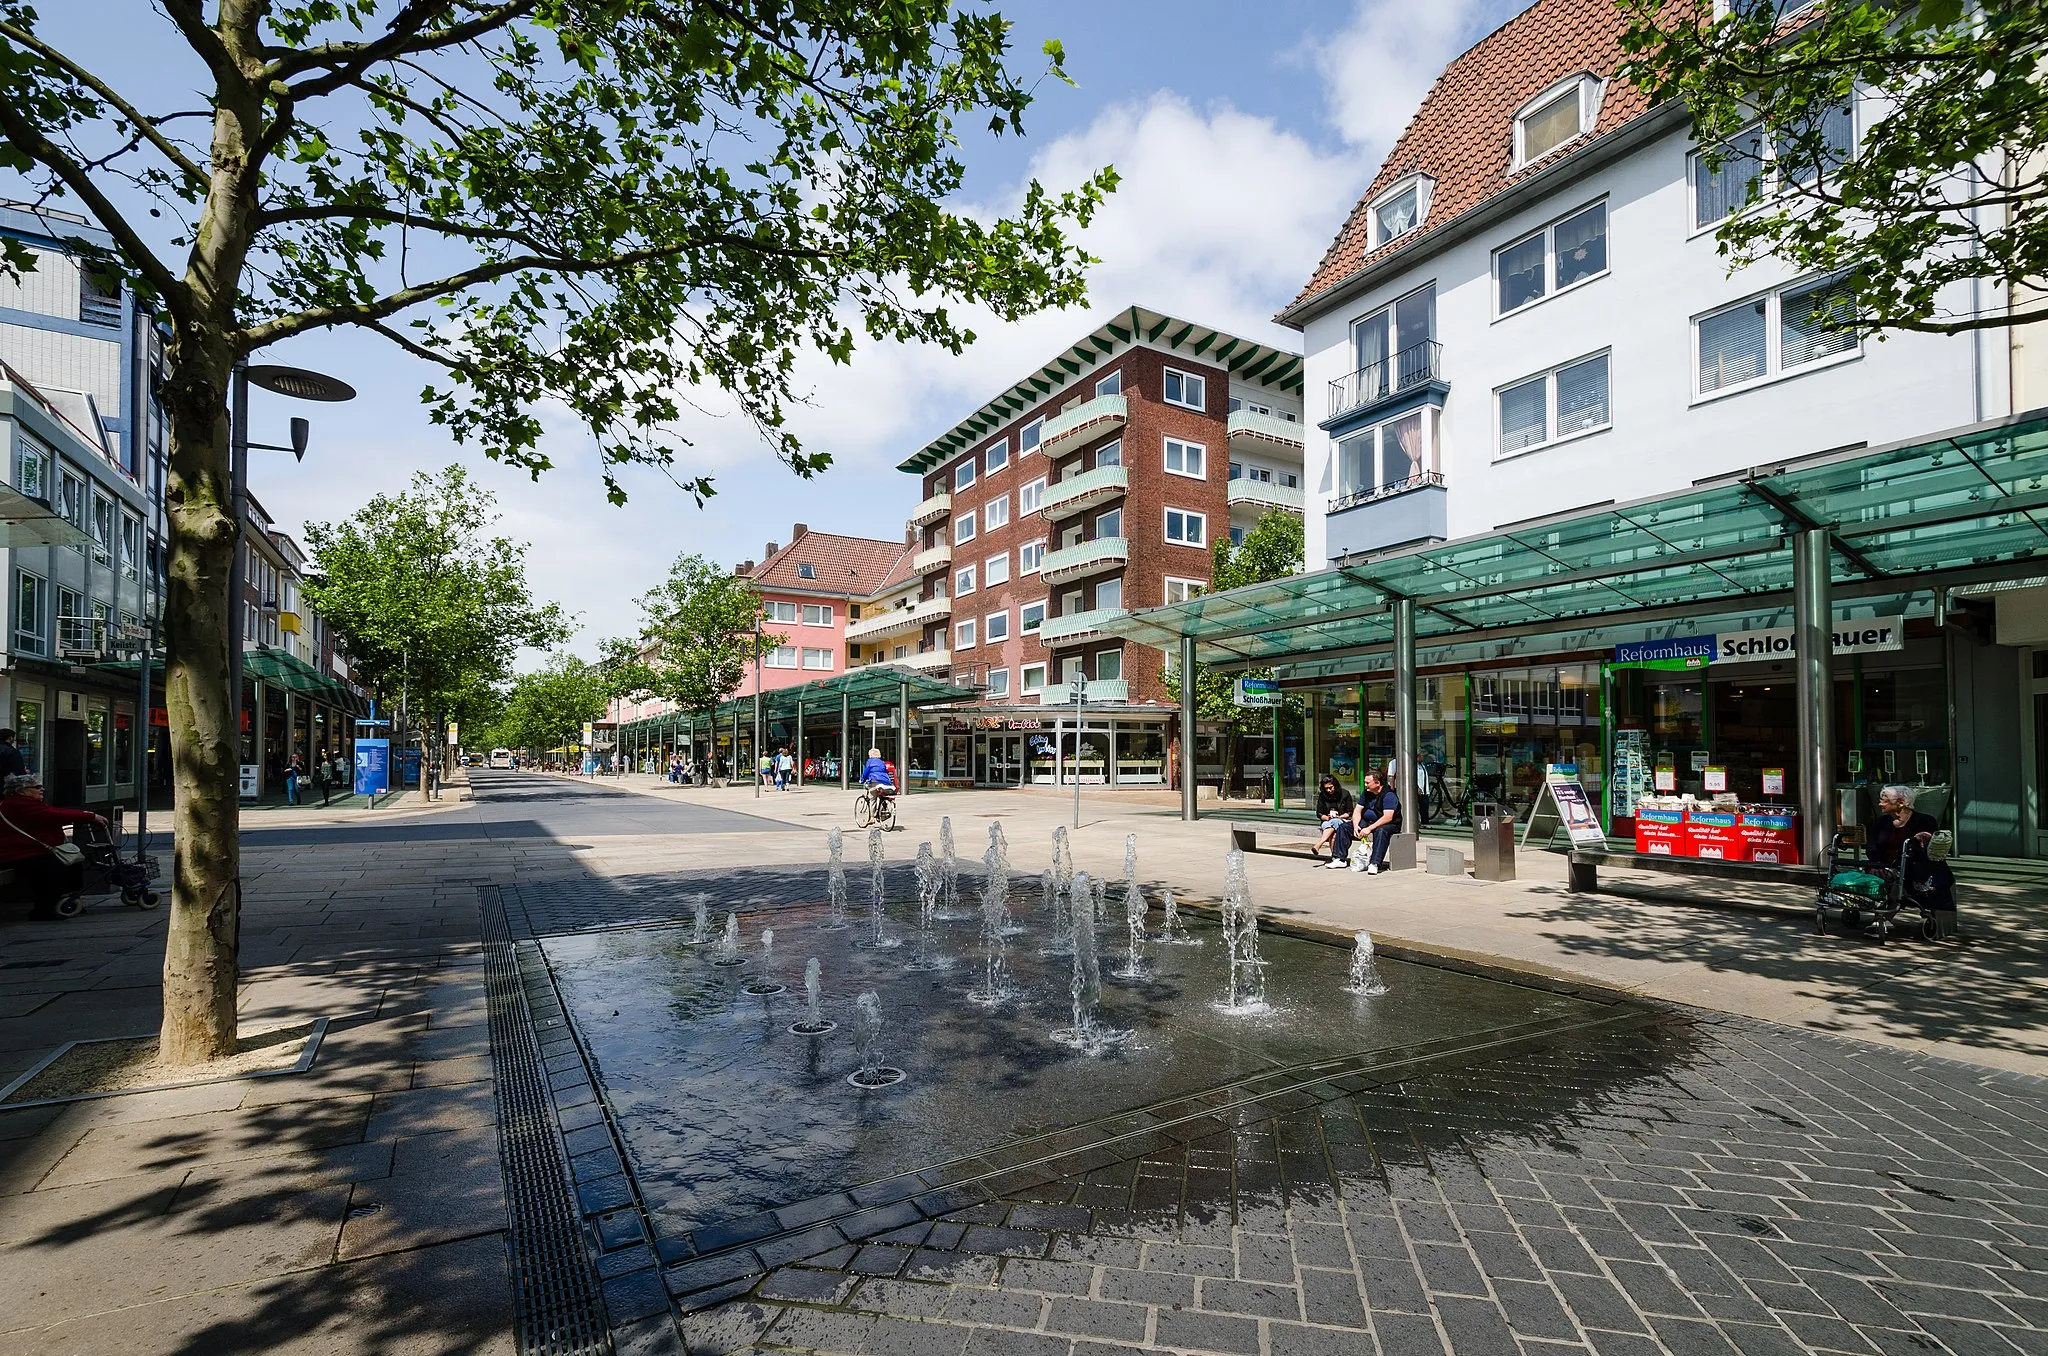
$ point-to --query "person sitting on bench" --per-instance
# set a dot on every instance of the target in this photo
(1378, 817)
(1334, 807)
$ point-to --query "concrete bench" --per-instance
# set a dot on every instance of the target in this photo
(1244, 836)
(1583, 868)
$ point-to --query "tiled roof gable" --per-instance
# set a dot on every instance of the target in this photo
(853, 567)
(1463, 134)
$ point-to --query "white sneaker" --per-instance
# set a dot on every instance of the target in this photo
(1374, 870)
(1333, 865)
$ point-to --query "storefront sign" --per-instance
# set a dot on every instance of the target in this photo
(249, 781)
(1027, 725)
(1661, 833)
(1716, 778)
(1689, 653)
(1257, 692)
(1774, 781)
(1869, 636)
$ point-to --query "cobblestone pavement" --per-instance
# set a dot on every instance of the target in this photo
(1697, 1185)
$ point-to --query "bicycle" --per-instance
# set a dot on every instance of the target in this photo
(872, 809)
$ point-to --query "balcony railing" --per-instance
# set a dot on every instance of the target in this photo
(1084, 558)
(898, 620)
(1262, 494)
(939, 657)
(1416, 509)
(1078, 625)
(933, 558)
(1406, 370)
(1100, 691)
(1249, 431)
(931, 510)
(1087, 421)
(1371, 493)
(1076, 493)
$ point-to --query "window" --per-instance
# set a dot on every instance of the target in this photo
(1110, 524)
(998, 682)
(1029, 436)
(1399, 212)
(806, 570)
(131, 546)
(1752, 167)
(1237, 536)
(817, 614)
(1180, 590)
(1556, 116)
(1030, 617)
(781, 657)
(1401, 332)
(31, 471)
(1032, 679)
(963, 529)
(1400, 454)
(1110, 454)
(818, 659)
(1029, 557)
(71, 499)
(1184, 459)
(1109, 594)
(1554, 405)
(963, 474)
(996, 626)
(1109, 666)
(1187, 529)
(996, 513)
(1187, 390)
(98, 304)
(1031, 498)
(1777, 333)
(963, 581)
(996, 569)
(1113, 384)
(963, 635)
(30, 594)
(996, 455)
(779, 612)
(1561, 254)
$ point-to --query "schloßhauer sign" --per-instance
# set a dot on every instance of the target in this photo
(1867, 636)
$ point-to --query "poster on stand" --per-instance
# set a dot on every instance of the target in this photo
(1563, 803)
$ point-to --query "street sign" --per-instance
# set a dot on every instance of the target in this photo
(1256, 692)
(370, 721)
(373, 767)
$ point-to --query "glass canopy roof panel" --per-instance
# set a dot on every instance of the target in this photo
(1992, 539)
(1982, 467)
(1374, 629)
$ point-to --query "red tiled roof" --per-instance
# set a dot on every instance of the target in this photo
(1463, 135)
(849, 567)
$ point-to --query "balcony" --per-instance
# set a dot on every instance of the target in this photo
(933, 558)
(1412, 370)
(932, 510)
(1089, 557)
(1079, 626)
(924, 661)
(899, 620)
(1077, 493)
(1387, 516)
(1101, 692)
(1261, 495)
(1253, 432)
(1083, 424)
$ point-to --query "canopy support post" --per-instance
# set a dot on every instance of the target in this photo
(1405, 778)
(1187, 729)
(799, 743)
(1813, 660)
(902, 741)
(845, 747)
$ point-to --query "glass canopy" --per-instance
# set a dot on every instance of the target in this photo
(1959, 507)
(875, 685)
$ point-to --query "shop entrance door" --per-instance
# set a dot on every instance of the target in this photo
(999, 760)
(67, 764)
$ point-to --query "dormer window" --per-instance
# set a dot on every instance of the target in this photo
(1558, 115)
(1400, 210)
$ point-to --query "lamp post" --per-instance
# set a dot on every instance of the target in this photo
(299, 384)
(757, 704)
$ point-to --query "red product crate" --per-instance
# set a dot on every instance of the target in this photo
(1771, 835)
(1716, 835)
(1661, 833)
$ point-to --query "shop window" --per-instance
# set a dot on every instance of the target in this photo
(124, 747)
(95, 748)
(28, 733)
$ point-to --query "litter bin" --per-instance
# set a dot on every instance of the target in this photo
(1493, 842)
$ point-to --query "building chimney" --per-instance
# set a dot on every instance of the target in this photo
(769, 554)
(797, 531)
(744, 568)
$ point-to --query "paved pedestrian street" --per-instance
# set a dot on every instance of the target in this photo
(1726, 1135)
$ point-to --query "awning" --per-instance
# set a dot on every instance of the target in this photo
(874, 685)
(32, 522)
(1964, 507)
(282, 668)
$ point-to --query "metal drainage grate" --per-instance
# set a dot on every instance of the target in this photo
(555, 1288)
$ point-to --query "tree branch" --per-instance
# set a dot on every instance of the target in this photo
(25, 135)
(346, 61)
(144, 126)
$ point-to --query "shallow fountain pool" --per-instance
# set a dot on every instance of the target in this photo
(726, 1112)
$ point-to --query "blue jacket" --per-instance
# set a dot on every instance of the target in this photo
(875, 772)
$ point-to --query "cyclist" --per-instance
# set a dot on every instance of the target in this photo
(875, 776)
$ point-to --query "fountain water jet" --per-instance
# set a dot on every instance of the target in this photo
(880, 939)
(814, 1022)
(729, 945)
(867, 1032)
(1365, 971)
(1134, 916)
(1086, 1034)
(949, 872)
(835, 878)
(766, 985)
(995, 984)
(700, 930)
(926, 874)
(1058, 903)
(1172, 930)
(1247, 992)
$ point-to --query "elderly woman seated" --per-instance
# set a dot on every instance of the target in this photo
(30, 834)
(1901, 838)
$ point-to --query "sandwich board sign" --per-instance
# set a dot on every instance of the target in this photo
(1563, 804)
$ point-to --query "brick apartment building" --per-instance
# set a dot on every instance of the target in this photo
(1092, 486)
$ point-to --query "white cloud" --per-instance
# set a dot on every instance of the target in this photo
(1376, 70)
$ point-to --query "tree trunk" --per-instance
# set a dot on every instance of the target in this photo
(201, 624)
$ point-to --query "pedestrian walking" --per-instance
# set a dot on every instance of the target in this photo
(785, 769)
(323, 778)
(12, 764)
(292, 776)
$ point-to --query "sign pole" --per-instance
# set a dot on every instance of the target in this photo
(1080, 696)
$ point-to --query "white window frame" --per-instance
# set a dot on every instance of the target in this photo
(1189, 588)
(1166, 528)
(1029, 437)
(1025, 624)
(999, 683)
(1101, 655)
(816, 614)
(988, 625)
(1547, 232)
(964, 634)
(1030, 556)
(996, 512)
(996, 569)
(1769, 186)
(775, 658)
(809, 651)
(1027, 688)
(967, 468)
(771, 610)
(963, 580)
(996, 455)
(1424, 187)
(1107, 378)
(1590, 87)
(1548, 376)
(1182, 401)
(1031, 497)
(1774, 343)
(963, 528)
(1201, 453)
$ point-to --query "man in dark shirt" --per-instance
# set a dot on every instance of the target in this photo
(1378, 817)
(12, 764)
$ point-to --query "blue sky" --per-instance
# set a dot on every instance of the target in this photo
(1243, 134)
